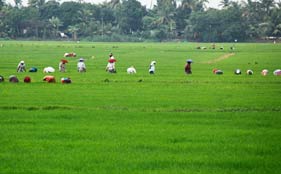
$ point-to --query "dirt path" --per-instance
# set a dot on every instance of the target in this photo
(221, 58)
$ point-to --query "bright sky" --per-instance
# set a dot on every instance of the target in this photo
(212, 3)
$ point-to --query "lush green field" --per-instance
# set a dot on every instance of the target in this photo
(119, 123)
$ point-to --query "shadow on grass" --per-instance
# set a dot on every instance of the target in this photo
(34, 108)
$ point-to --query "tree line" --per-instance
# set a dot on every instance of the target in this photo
(128, 20)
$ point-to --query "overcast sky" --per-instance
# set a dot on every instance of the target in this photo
(212, 3)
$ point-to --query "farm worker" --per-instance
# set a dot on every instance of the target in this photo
(49, 69)
(81, 67)
(66, 55)
(217, 71)
(21, 67)
(131, 70)
(27, 79)
(72, 54)
(111, 64)
(264, 72)
(1, 79)
(49, 79)
(65, 80)
(152, 67)
(188, 67)
(277, 72)
(69, 55)
(33, 69)
(237, 72)
(13, 79)
(62, 65)
(249, 72)
(112, 59)
(110, 67)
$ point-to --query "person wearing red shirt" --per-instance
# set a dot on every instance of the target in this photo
(49, 79)
(188, 67)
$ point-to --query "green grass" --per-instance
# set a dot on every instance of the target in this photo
(167, 123)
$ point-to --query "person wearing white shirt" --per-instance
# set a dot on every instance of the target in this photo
(111, 65)
(131, 70)
(81, 65)
(49, 69)
(62, 65)
(152, 67)
(21, 67)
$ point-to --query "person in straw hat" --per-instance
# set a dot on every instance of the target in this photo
(21, 67)
(131, 70)
(152, 67)
(62, 65)
(110, 67)
(188, 66)
(81, 67)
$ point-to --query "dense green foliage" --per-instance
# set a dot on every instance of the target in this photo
(128, 20)
(169, 122)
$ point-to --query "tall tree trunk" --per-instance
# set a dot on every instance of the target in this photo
(75, 36)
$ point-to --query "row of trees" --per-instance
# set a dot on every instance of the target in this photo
(128, 20)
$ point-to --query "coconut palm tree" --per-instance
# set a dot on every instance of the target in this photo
(114, 4)
(18, 3)
(194, 5)
(36, 3)
(225, 3)
(277, 30)
(165, 15)
(1, 3)
(56, 23)
(73, 29)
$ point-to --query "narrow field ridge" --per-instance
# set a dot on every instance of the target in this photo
(221, 58)
(159, 110)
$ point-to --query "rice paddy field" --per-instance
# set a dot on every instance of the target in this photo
(164, 123)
